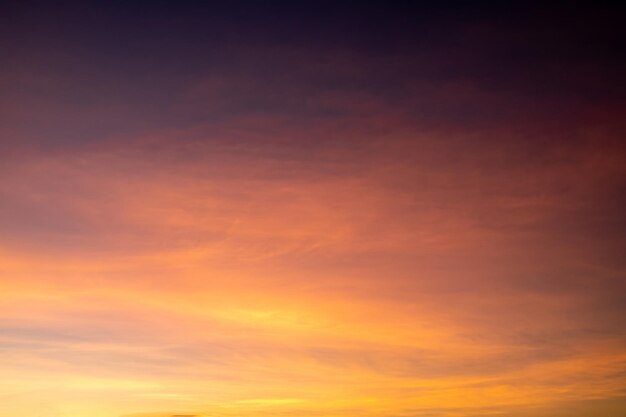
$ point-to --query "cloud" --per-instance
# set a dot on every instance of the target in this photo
(311, 231)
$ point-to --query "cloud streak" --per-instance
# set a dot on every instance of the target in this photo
(365, 232)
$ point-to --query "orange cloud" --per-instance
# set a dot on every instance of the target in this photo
(213, 280)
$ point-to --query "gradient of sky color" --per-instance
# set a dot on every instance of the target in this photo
(311, 209)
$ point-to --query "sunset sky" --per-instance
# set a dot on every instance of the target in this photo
(312, 209)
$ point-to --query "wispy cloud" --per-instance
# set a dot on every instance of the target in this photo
(364, 233)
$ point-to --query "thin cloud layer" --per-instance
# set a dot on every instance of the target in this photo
(309, 229)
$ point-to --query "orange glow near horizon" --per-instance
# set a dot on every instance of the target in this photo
(211, 286)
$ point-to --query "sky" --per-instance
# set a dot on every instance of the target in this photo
(312, 209)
